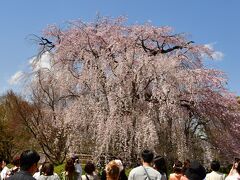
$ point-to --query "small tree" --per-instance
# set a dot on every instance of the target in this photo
(46, 120)
(14, 136)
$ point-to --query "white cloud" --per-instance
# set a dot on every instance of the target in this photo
(217, 55)
(15, 79)
(42, 62)
(209, 46)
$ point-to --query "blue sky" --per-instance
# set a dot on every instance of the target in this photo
(215, 22)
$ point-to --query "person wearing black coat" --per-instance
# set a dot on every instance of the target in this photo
(28, 166)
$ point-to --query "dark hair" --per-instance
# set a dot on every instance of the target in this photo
(47, 169)
(75, 158)
(215, 165)
(6, 161)
(16, 161)
(160, 164)
(28, 158)
(177, 167)
(89, 167)
(147, 156)
(186, 165)
(238, 168)
(236, 160)
(69, 167)
(195, 171)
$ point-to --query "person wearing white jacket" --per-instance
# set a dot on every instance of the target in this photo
(215, 175)
(5, 169)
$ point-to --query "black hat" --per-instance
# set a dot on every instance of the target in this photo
(195, 171)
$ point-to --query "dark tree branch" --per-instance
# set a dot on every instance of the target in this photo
(160, 49)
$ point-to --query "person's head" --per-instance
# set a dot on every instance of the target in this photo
(160, 164)
(177, 167)
(120, 165)
(236, 162)
(4, 162)
(16, 161)
(77, 161)
(47, 169)
(69, 166)
(75, 158)
(112, 170)
(147, 156)
(89, 167)
(215, 165)
(29, 160)
(195, 171)
(186, 165)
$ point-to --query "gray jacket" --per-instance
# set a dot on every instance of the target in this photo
(22, 175)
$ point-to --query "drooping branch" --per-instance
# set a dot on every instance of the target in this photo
(117, 79)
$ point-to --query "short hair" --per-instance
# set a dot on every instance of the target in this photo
(112, 170)
(160, 164)
(195, 171)
(215, 165)
(147, 156)
(47, 168)
(28, 158)
(89, 167)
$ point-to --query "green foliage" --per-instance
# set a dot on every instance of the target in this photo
(15, 136)
(127, 171)
(59, 169)
(225, 169)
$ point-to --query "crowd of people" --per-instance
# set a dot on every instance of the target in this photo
(26, 167)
